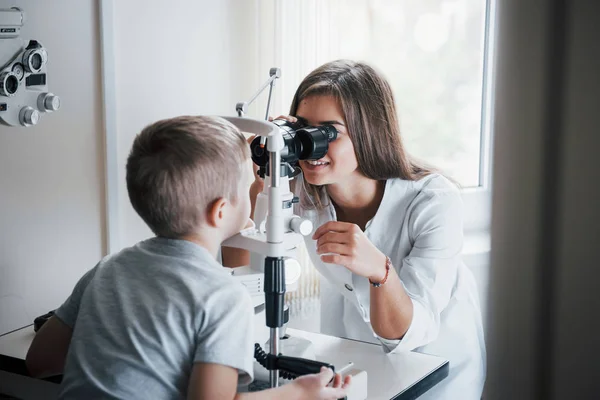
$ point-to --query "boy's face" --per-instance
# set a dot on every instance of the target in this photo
(240, 209)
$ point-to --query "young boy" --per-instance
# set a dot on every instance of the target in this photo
(162, 319)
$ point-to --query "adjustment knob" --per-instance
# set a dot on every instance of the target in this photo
(28, 116)
(301, 226)
(48, 102)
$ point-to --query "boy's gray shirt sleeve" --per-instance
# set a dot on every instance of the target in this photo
(226, 336)
(67, 312)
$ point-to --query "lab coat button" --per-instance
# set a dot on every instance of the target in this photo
(350, 288)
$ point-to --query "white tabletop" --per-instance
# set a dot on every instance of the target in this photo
(16, 344)
(389, 375)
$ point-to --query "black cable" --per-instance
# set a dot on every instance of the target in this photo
(263, 359)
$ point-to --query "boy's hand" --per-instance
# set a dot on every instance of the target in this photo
(315, 386)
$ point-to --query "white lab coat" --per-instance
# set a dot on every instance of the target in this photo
(419, 226)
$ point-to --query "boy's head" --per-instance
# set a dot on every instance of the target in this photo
(187, 174)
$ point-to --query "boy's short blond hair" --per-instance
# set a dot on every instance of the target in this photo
(178, 167)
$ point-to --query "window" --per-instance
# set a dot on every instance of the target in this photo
(432, 53)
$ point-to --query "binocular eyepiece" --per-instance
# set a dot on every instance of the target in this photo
(301, 142)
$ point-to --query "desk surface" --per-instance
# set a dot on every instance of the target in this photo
(390, 376)
(15, 344)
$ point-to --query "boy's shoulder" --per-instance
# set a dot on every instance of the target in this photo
(172, 261)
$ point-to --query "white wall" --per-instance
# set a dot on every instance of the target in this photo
(184, 57)
(51, 175)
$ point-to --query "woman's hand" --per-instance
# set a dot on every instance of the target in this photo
(288, 118)
(346, 244)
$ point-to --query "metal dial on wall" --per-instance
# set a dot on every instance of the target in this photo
(19, 70)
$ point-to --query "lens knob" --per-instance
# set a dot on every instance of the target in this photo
(301, 226)
(28, 116)
(48, 102)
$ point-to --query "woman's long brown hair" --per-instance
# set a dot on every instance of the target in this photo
(370, 114)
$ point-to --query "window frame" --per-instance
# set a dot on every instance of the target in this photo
(477, 200)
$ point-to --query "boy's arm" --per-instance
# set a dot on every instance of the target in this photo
(47, 353)
(212, 381)
(216, 381)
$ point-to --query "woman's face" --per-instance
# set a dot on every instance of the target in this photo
(339, 163)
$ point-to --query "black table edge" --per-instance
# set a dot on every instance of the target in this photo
(416, 390)
(17, 366)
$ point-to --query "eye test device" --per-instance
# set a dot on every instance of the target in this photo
(301, 142)
(24, 92)
(273, 241)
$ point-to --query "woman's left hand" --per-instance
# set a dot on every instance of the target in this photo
(351, 248)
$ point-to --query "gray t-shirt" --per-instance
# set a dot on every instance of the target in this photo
(141, 318)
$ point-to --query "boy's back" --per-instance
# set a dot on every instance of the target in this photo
(142, 317)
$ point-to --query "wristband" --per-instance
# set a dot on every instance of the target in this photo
(388, 264)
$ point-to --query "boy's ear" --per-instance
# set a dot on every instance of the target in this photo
(216, 212)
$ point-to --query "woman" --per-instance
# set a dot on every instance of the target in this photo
(389, 231)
